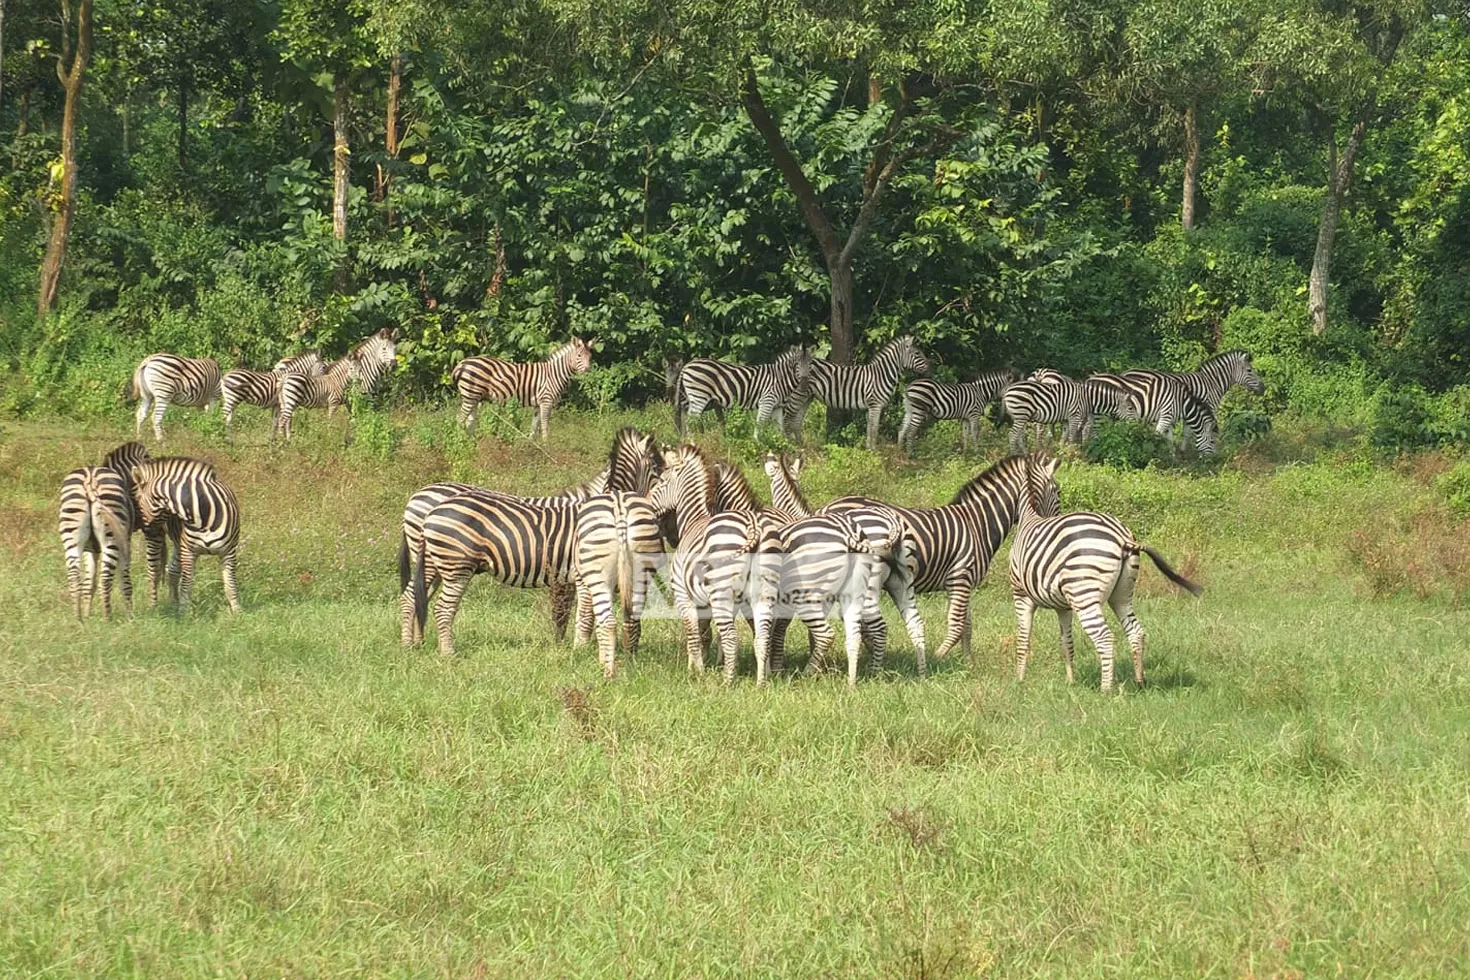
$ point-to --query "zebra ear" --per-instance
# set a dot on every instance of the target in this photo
(795, 466)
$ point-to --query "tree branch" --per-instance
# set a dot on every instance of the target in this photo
(790, 167)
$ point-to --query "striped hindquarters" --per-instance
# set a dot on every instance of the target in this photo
(1070, 561)
(177, 380)
(619, 541)
(521, 544)
(95, 520)
(243, 386)
(706, 383)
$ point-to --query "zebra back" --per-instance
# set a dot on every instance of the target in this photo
(856, 385)
(710, 382)
(191, 381)
(307, 362)
(190, 491)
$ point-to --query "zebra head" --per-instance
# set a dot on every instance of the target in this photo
(1043, 497)
(776, 462)
(578, 356)
(911, 357)
(633, 462)
(1242, 371)
(685, 482)
(147, 495)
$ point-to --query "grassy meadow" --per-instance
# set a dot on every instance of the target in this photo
(287, 792)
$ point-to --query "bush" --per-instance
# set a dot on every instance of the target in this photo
(1127, 445)
(1454, 487)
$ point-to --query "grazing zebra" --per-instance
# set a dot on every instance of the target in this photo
(539, 385)
(1074, 563)
(1165, 400)
(365, 364)
(925, 400)
(705, 383)
(205, 516)
(866, 386)
(96, 524)
(954, 544)
(431, 496)
(1212, 379)
(243, 386)
(168, 379)
(810, 565)
(1053, 397)
(523, 544)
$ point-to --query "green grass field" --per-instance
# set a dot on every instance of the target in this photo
(290, 793)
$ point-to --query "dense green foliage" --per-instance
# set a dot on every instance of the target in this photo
(562, 167)
(286, 792)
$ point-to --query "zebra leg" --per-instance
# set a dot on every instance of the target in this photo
(406, 618)
(544, 414)
(186, 575)
(875, 415)
(156, 551)
(1018, 436)
(779, 626)
(764, 413)
(562, 596)
(466, 416)
(125, 576)
(1091, 617)
(1122, 603)
(958, 621)
(74, 575)
(451, 594)
(227, 409)
(89, 580)
(595, 593)
(145, 404)
(1025, 613)
(1064, 623)
(587, 615)
(852, 633)
(822, 637)
(227, 574)
(160, 405)
(108, 560)
(696, 639)
(903, 597)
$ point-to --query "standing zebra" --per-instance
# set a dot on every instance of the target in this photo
(810, 565)
(96, 524)
(243, 386)
(168, 379)
(205, 515)
(1163, 399)
(705, 383)
(954, 544)
(1074, 563)
(539, 385)
(852, 387)
(365, 364)
(1053, 397)
(619, 541)
(521, 543)
(926, 400)
(1212, 379)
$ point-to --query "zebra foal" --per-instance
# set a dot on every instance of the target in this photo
(366, 364)
(539, 385)
(1074, 563)
(858, 387)
(766, 388)
(926, 400)
(161, 380)
(243, 386)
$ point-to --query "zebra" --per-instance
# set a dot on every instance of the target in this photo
(1212, 379)
(365, 364)
(953, 544)
(539, 385)
(523, 544)
(1073, 563)
(866, 386)
(431, 496)
(925, 400)
(205, 517)
(786, 495)
(96, 524)
(808, 565)
(243, 386)
(161, 380)
(1163, 399)
(705, 383)
(708, 569)
(619, 541)
(1053, 397)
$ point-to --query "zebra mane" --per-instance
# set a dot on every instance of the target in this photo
(738, 493)
(792, 486)
(790, 356)
(691, 455)
(1011, 470)
(1040, 470)
(629, 448)
(125, 457)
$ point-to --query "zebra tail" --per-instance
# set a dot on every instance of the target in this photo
(1169, 572)
(420, 592)
(135, 387)
(405, 564)
(454, 373)
(681, 402)
(625, 578)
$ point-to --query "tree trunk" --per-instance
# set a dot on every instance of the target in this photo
(340, 174)
(1339, 176)
(25, 113)
(183, 125)
(1191, 169)
(71, 80)
(390, 130)
(837, 254)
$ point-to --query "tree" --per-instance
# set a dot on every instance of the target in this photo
(71, 70)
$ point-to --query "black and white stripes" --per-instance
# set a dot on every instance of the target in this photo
(189, 498)
(243, 386)
(168, 379)
(764, 388)
(926, 400)
(867, 386)
(365, 365)
(539, 385)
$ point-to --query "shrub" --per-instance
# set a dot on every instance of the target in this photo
(1127, 445)
(1454, 487)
